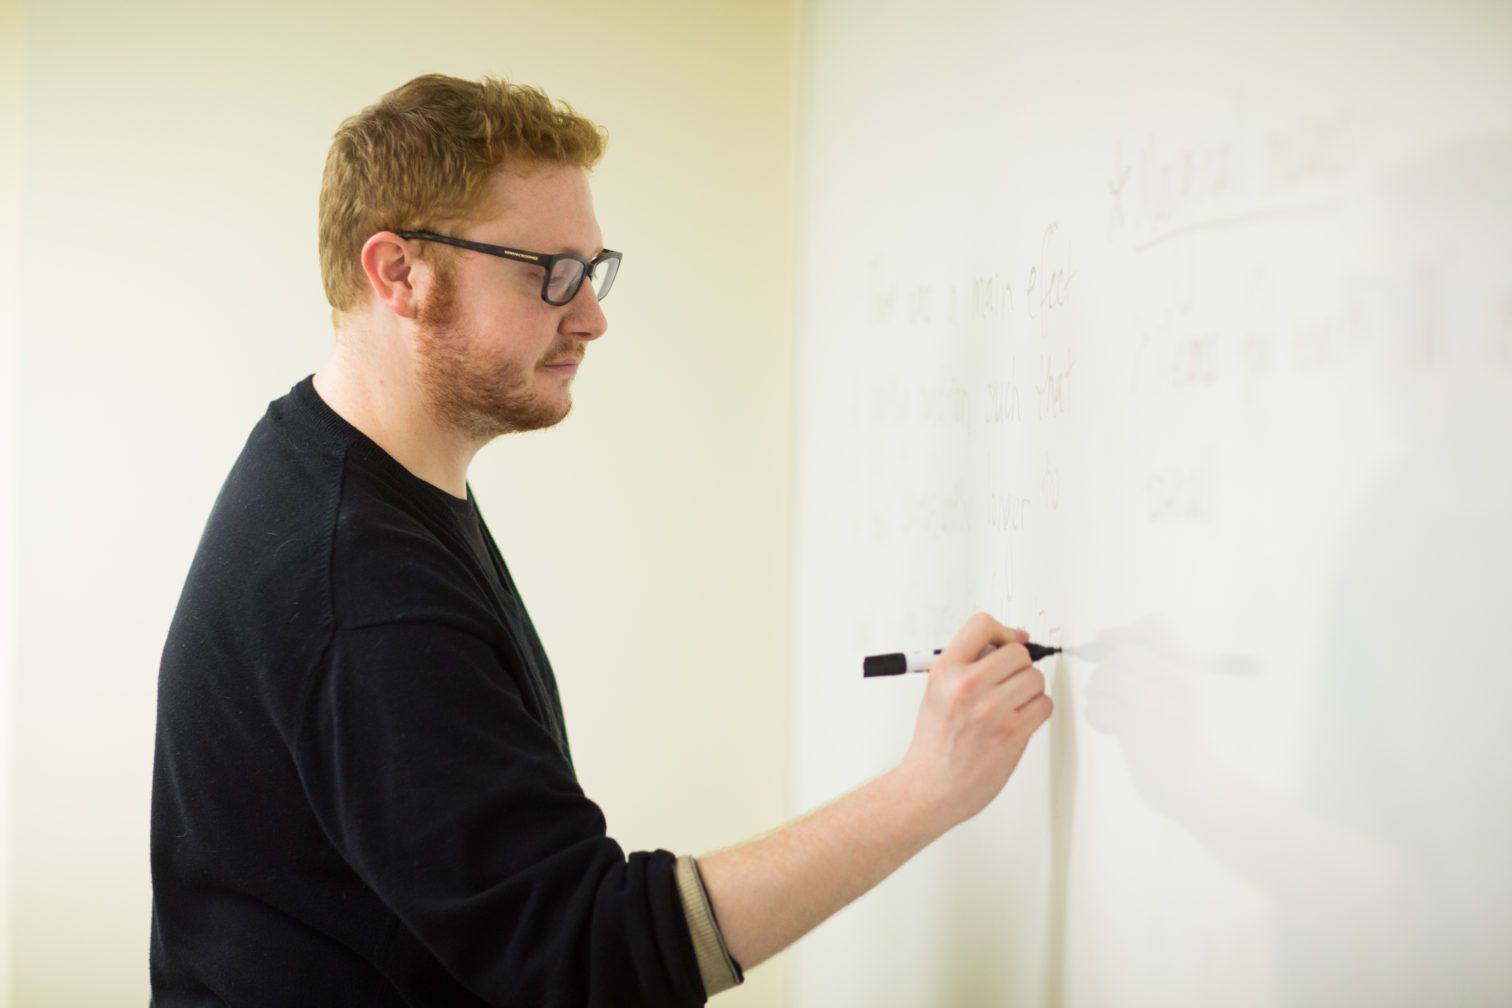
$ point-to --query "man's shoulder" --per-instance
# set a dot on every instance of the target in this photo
(270, 525)
(256, 604)
(311, 511)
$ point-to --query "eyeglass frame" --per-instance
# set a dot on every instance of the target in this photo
(548, 262)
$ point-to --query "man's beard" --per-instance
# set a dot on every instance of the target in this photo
(473, 394)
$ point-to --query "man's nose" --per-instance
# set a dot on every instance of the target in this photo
(585, 316)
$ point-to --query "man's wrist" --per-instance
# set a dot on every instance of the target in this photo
(919, 804)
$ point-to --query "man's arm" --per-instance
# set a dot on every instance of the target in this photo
(769, 892)
(974, 722)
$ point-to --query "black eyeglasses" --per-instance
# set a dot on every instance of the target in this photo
(564, 271)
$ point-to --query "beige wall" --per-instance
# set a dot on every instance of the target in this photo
(171, 290)
(11, 54)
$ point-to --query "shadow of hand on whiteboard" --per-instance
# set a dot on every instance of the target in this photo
(1322, 875)
(1145, 693)
(1388, 867)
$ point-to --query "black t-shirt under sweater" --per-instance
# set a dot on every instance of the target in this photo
(362, 790)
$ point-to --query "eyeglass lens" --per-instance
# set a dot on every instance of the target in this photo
(567, 276)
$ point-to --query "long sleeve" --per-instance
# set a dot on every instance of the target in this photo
(458, 809)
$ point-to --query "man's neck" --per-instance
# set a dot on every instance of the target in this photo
(392, 411)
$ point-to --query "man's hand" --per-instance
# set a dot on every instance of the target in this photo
(976, 718)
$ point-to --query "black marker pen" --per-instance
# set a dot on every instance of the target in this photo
(919, 661)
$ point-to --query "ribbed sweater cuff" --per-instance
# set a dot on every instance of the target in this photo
(718, 970)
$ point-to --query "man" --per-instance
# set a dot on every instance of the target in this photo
(363, 792)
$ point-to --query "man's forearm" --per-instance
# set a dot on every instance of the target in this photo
(769, 892)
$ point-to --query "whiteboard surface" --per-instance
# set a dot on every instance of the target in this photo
(1181, 336)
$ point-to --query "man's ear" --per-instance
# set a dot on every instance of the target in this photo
(388, 265)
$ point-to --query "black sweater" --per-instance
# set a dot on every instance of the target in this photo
(362, 789)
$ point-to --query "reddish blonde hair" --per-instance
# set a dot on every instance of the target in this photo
(423, 156)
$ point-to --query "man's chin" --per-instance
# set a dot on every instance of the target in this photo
(486, 422)
(557, 416)
(541, 418)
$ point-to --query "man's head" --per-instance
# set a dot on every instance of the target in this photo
(490, 163)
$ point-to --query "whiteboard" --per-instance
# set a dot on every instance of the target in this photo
(1179, 334)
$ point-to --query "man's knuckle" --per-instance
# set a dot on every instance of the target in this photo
(957, 691)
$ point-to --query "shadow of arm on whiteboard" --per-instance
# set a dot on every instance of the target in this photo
(1146, 692)
(1386, 862)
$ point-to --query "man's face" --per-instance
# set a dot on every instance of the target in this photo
(489, 350)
